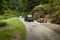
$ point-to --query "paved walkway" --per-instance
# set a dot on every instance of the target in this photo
(36, 31)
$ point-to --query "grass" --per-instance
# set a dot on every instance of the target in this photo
(15, 24)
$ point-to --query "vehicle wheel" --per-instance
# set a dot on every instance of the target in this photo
(32, 20)
(25, 19)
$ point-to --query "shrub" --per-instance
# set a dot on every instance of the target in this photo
(56, 18)
(3, 24)
(47, 6)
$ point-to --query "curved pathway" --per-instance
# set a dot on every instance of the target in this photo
(36, 31)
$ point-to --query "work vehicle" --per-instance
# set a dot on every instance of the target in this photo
(29, 18)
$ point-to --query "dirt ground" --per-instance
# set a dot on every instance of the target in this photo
(4, 27)
(54, 27)
(37, 31)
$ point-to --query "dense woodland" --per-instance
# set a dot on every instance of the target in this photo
(12, 8)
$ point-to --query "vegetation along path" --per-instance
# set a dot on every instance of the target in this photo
(36, 31)
(14, 30)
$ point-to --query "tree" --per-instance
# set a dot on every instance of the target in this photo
(3, 6)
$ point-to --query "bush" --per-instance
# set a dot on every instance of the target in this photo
(47, 6)
(56, 18)
(3, 24)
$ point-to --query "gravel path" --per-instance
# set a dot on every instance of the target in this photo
(36, 31)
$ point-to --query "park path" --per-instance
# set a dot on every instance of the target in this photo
(36, 31)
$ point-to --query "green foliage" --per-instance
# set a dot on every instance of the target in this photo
(47, 6)
(25, 5)
(56, 2)
(10, 31)
(56, 18)
(40, 8)
(3, 6)
(9, 14)
(32, 4)
(58, 7)
(3, 23)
